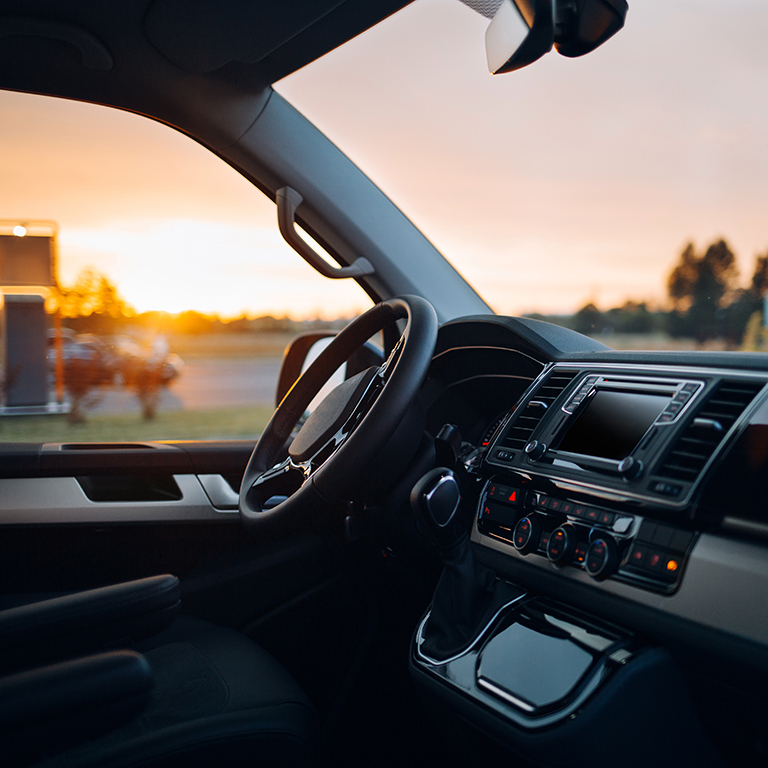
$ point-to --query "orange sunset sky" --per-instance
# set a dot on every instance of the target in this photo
(568, 181)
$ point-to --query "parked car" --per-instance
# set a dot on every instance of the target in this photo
(86, 357)
(135, 361)
(501, 544)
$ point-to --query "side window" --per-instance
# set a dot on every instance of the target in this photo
(146, 291)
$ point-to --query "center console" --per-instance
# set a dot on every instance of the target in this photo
(595, 479)
(596, 468)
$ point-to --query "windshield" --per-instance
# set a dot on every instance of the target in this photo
(622, 193)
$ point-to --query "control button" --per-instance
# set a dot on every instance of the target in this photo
(494, 490)
(622, 524)
(680, 541)
(555, 504)
(638, 557)
(504, 455)
(535, 450)
(671, 569)
(544, 501)
(602, 557)
(504, 493)
(567, 508)
(592, 514)
(662, 536)
(526, 535)
(674, 408)
(561, 545)
(682, 397)
(655, 561)
(647, 531)
(498, 513)
(605, 518)
(690, 387)
(545, 540)
(579, 510)
(630, 468)
(579, 553)
(665, 417)
(666, 489)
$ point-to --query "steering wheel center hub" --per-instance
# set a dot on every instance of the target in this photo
(331, 416)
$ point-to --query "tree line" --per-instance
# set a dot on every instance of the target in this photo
(705, 302)
(93, 304)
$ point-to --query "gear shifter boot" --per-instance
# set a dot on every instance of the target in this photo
(463, 594)
(468, 594)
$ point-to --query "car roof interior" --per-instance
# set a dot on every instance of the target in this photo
(176, 61)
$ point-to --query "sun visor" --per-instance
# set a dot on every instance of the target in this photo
(200, 36)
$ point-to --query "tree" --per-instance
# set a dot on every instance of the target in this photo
(682, 280)
(700, 289)
(750, 306)
(759, 285)
(588, 320)
(93, 296)
(631, 317)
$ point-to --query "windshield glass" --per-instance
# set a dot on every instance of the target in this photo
(622, 193)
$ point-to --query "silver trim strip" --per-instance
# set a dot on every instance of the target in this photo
(502, 694)
(61, 501)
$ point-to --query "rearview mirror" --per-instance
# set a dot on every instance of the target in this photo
(522, 31)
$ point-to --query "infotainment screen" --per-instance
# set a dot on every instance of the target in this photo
(612, 423)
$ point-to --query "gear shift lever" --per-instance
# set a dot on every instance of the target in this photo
(436, 498)
(466, 588)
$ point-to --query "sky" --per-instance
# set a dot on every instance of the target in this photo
(565, 182)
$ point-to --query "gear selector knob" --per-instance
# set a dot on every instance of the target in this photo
(436, 498)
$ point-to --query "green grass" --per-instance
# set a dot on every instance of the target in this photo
(214, 423)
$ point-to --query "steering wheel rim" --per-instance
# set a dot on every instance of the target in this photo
(376, 416)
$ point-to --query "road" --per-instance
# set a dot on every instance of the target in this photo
(213, 383)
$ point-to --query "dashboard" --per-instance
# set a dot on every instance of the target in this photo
(620, 496)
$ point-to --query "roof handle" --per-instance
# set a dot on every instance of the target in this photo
(288, 200)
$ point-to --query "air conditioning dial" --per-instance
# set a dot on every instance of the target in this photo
(562, 544)
(602, 557)
(527, 535)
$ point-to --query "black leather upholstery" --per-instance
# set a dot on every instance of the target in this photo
(218, 699)
(85, 622)
(182, 693)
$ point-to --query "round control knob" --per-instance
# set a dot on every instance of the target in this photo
(602, 557)
(535, 450)
(630, 468)
(527, 535)
(562, 544)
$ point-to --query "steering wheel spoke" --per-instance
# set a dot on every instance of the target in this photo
(284, 479)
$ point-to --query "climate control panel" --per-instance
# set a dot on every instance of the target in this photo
(602, 542)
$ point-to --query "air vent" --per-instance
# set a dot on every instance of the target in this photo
(707, 430)
(520, 430)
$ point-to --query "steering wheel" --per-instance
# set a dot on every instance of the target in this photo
(329, 456)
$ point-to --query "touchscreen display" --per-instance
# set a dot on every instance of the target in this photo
(612, 423)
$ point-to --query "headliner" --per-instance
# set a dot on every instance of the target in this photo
(175, 60)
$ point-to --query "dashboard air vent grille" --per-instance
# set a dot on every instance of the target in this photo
(703, 435)
(521, 428)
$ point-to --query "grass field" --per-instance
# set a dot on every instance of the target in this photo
(215, 423)
(231, 345)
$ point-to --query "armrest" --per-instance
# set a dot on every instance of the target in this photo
(58, 706)
(85, 622)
